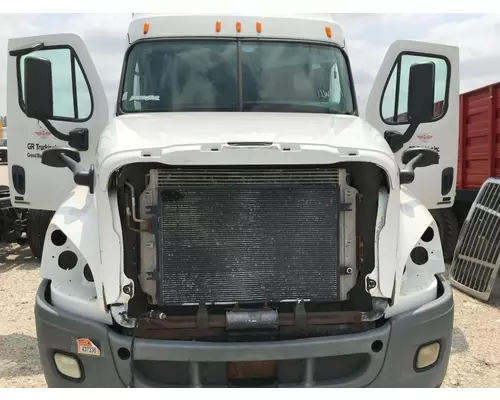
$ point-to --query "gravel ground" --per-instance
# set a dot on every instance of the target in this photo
(475, 360)
(19, 279)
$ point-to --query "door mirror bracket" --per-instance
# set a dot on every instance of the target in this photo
(77, 138)
(396, 141)
(59, 157)
(417, 157)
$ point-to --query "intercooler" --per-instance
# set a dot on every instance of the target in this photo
(244, 235)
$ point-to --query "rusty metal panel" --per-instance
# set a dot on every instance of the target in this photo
(479, 143)
(477, 254)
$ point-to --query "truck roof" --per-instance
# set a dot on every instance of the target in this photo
(308, 27)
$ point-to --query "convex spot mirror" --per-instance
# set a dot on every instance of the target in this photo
(428, 157)
(417, 157)
(52, 157)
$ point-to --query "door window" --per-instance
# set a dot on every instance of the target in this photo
(394, 104)
(71, 94)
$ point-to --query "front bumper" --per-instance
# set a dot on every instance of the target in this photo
(382, 357)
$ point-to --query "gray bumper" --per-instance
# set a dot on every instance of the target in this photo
(344, 360)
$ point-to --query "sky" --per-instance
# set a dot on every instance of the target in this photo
(367, 36)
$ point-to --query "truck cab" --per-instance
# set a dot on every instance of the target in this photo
(236, 222)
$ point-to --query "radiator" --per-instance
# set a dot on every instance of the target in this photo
(247, 235)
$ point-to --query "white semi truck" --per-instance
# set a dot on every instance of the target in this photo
(236, 223)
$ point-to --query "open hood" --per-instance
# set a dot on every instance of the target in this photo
(161, 130)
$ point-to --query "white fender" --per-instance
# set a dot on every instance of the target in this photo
(417, 285)
(70, 291)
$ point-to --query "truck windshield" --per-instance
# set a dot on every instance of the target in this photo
(223, 75)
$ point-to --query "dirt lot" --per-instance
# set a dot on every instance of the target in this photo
(475, 360)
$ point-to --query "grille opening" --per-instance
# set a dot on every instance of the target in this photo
(365, 178)
(279, 372)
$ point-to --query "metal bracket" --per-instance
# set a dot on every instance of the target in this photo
(129, 289)
(152, 210)
(202, 317)
(300, 315)
(344, 207)
(371, 284)
(252, 320)
(346, 271)
(26, 50)
(153, 276)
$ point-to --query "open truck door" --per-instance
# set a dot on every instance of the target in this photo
(387, 107)
(79, 115)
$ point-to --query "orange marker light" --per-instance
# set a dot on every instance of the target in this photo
(328, 31)
(259, 27)
(238, 26)
(146, 28)
(218, 26)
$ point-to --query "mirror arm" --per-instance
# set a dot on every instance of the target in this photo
(26, 50)
(81, 176)
(54, 131)
(396, 141)
(407, 175)
(78, 138)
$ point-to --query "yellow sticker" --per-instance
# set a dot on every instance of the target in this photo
(87, 347)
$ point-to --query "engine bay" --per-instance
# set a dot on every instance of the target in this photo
(223, 252)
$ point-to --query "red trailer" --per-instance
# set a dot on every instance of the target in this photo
(479, 142)
(478, 157)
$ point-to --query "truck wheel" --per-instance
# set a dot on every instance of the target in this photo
(36, 227)
(449, 230)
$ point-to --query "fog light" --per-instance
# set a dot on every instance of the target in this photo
(68, 365)
(427, 355)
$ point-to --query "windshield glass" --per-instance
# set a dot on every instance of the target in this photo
(203, 75)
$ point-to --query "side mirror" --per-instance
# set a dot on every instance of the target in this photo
(59, 157)
(38, 88)
(39, 104)
(421, 93)
(417, 157)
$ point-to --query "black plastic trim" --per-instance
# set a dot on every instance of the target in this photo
(447, 180)
(26, 50)
(73, 86)
(19, 179)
